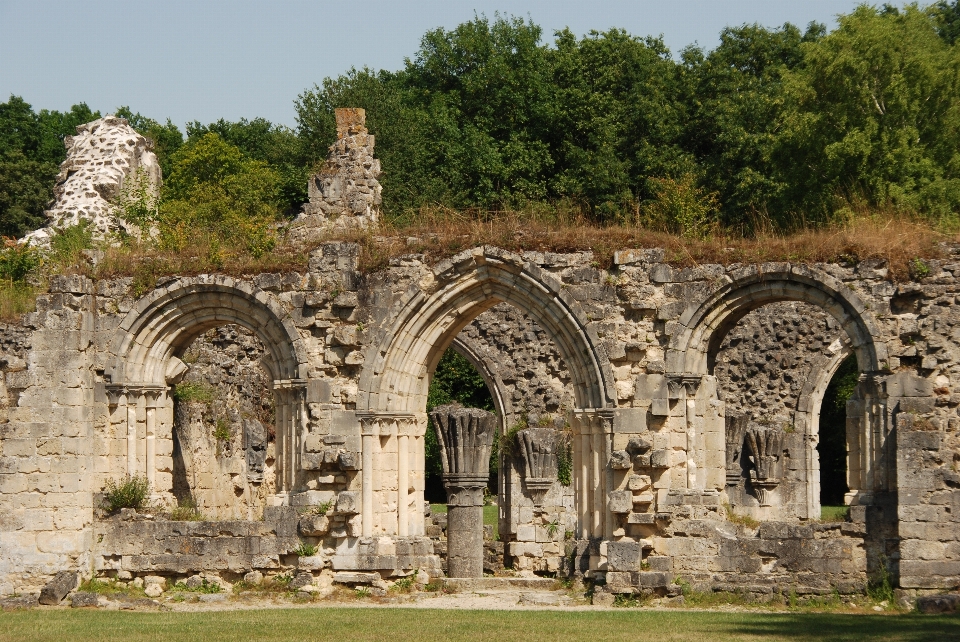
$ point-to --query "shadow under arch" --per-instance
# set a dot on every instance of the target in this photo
(162, 325)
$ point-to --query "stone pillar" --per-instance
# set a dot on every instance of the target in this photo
(465, 436)
(132, 401)
(152, 396)
(394, 472)
(593, 432)
(289, 401)
(369, 431)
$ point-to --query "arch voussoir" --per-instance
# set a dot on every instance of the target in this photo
(464, 286)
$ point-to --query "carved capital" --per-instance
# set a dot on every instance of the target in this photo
(589, 421)
(131, 392)
(683, 385)
(765, 445)
(538, 449)
(392, 423)
(466, 437)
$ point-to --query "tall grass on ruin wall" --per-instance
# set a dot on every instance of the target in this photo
(439, 233)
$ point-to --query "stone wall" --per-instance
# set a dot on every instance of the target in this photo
(773, 367)
(348, 355)
(345, 193)
(224, 454)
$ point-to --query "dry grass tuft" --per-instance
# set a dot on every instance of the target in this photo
(440, 233)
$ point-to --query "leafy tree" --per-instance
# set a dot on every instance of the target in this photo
(874, 113)
(946, 18)
(26, 186)
(618, 118)
(275, 145)
(736, 99)
(31, 150)
(217, 194)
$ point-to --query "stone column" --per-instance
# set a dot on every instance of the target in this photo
(132, 401)
(593, 431)
(289, 401)
(152, 396)
(465, 436)
(369, 432)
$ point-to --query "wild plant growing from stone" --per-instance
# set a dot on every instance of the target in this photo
(130, 493)
(305, 549)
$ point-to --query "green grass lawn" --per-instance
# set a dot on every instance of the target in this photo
(834, 513)
(489, 513)
(427, 625)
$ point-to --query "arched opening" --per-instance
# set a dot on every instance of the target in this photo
(149, 348)
(704, 326)
(832, 446)
(394, 388)
(772, 370)
(224, 436)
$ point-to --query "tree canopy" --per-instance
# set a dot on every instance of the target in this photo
(777, 127)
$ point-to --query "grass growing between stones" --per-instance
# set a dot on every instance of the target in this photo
(428, 625)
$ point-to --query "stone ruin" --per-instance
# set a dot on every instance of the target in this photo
(104, 157)
(107, 154)
(345, 193)
(665, 423)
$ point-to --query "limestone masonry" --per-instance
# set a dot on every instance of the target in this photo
(656, 425)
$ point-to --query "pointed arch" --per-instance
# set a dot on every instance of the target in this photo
(427, 319)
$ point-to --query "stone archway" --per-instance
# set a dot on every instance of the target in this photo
(393, 388)
(160, 327)
(703, 325)
(809, 407)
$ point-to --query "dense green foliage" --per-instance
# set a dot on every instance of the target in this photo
(213, 186)
(777, 128)
(31, 150)
(455, 380)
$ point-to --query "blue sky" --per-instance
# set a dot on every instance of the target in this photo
(204, 60)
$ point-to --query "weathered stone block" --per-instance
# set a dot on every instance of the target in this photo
(624, 556)
(57, 588)
(660, 458)
(343, 577)
(314, 525)
(620, 460)
(620, 501)
(84, 600)
(348, 503)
